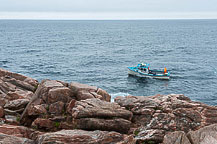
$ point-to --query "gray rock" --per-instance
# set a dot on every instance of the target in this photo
(178, 137)
(205, 135)
(8, 139)
(16, 104)
(80, 137)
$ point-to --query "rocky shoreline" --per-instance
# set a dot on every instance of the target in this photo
(53, 111)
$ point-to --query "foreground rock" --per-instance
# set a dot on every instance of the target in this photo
(18, 131)
(50, 100)
(155, 116)
(14, 86)
(178, 137)
(206, 135)
(52, 108)
(83, 91)
(59, 112)
(15, 92)
(94, 114)
(83, 137)
(8, 139)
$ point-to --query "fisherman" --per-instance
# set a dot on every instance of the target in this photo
(165, 70)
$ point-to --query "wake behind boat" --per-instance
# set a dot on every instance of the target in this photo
(142, 70)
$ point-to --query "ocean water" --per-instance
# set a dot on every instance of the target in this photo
(99, 52)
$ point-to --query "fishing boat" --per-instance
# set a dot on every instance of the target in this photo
(142, 70)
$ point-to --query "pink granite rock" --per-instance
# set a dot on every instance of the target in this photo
(35, 110)
(80, 137)
(42, 123)
(177, 137)
(116, 124)
(83, 91)
(15, 91)
(50, 98)
(18, 131)
(7, 139)
(56, 108)
(1, 112)
(205, 135)
(166, 113)
(91, 108)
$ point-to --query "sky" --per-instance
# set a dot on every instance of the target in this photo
(108, 9)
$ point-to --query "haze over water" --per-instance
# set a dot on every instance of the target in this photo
(99, 52)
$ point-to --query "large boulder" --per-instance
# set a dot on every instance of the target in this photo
(50, 100)
(16, 104)
(95, 114)
(8, 139)
(98, 108)
(12, 81)
(156, 116)
(84, 91)
(177, 137)
(27, 80)
(205, 135)
(52, 108)
(81, 137)
(18, 131)
(14, 86)
(116, 124)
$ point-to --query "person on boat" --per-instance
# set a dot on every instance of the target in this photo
(165, 70)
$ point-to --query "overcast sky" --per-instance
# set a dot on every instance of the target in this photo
(107, 9)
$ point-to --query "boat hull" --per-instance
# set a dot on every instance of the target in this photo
(143, 75)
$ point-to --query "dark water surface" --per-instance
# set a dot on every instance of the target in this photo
(99, 52)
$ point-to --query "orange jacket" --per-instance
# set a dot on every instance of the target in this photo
(165, 70)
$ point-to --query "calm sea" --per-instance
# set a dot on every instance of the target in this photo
(99, 52)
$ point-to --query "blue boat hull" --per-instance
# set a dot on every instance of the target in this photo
(155, 73)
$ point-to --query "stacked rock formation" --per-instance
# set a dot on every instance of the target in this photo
(53, 111)
(156, 116)
(15, 93)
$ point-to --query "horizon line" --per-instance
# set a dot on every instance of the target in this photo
(108, 19)
(106, 15)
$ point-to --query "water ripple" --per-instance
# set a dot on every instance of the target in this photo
(99, 52)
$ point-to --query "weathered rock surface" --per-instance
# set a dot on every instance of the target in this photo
(14, 86)
(50, 97)
(8, 139)
(116, 124)
(11, 119)
(97, 108)
(55, 105)
(1, 112)
(83, 91)
(80, 137)
(178, 137)
(95, 114)
(18, 131)
(16, 104)
(10, 82)
(155, 116)
(205, 135)
(52, 108)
